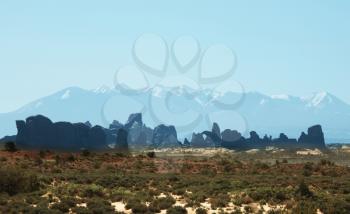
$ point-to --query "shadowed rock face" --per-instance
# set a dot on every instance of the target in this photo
(133, 118)
(122, 141)
(314, 138)
(216, 130)
(216, 140)
(232, 139)
(8, 139)
(165, 136)
(198, 141)
(230, 135)
(254, 137)
(39, 132)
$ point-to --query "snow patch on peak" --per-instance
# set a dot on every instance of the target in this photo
(66, 95)
(318, 99)
(157, 91)
(280, 97)
(102, 90)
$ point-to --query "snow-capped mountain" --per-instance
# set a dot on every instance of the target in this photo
(192, 110)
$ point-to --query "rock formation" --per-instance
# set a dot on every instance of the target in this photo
(39, 132)
(133, 118)
(121, 144)
(8, 139)
(313, 139)
(232, 139)
(165, 136)
(197, 141)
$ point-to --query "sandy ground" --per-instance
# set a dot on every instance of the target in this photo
(120, 206)
(309, 152)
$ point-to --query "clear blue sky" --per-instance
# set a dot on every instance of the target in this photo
(291, 47)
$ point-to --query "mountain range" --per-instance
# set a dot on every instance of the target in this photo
(193, 110)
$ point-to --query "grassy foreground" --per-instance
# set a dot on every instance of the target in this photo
(174, 182)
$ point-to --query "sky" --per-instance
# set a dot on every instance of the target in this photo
(292, 47)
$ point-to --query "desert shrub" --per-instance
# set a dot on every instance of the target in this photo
(262, 166)
(198, 197)
(275, 211)
(173, 178)
(65, 204)
(218, 186)
(242, 199)
(56, 170)
(304, 207)
(154, 208)
(4, 199)
(43, 203)
(236, 210)
(38, 161)
(307, 173)
(268, 193)
(97, 164)
(132, 202)
(248, 209)
(121, 154)
(70, 158)
(330, 172)
(335, 206)
(61, 206)
(13, 181)
(303, 190)
(10, 146)
(201, 211)
(163, 203)
(308, 166)
(176, 210)
(143, 195)
(93, 190)
(220, 201)
(99, 206)
(178, 191)
(81, 210)
(85, 153)
(208, 171)
(42, 154)
(58, 159)
(42, 210)
(139, 208)
(325, 162)
(110, 167)
(69, 189)
(16, 206)
(119, 194)
(151, 154)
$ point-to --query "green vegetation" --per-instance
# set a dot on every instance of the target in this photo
(84, 182)
(10, 146)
